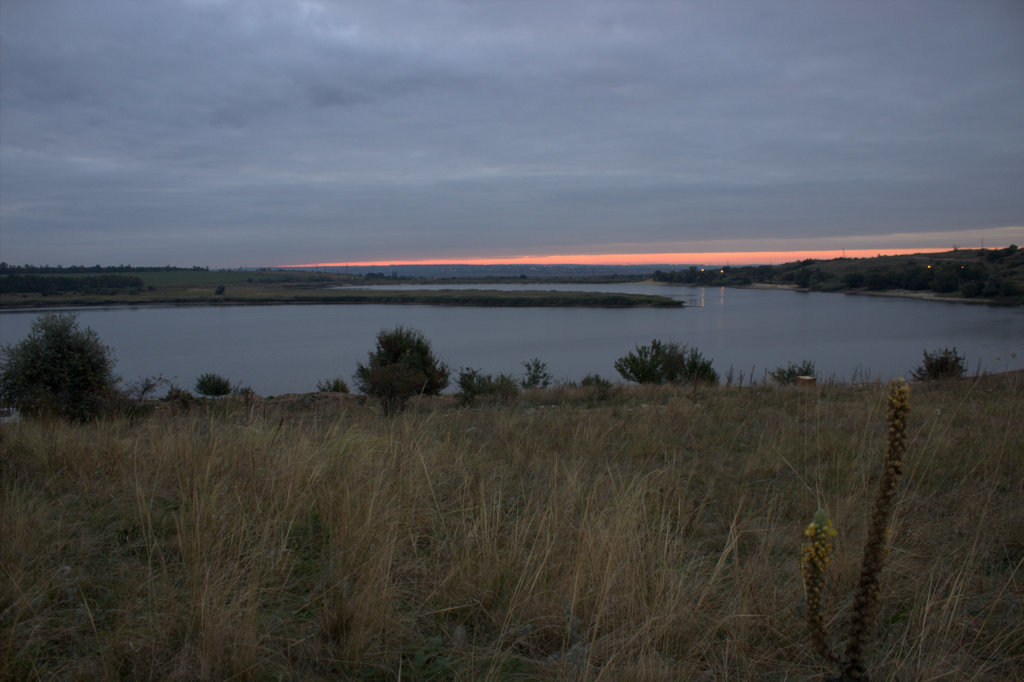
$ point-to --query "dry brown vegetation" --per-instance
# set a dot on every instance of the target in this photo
(651, 535)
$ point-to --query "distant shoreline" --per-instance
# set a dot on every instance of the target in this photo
(487, 298)
(888, 293)
(437, 297)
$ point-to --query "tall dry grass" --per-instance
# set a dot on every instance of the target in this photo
(652, 536)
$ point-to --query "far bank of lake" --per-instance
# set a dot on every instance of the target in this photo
(287, 348)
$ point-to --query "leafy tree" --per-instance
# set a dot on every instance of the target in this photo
(535, 374)
(58, 369)
(402, 365)
(472, 383)
(661, 363)
(212, 385)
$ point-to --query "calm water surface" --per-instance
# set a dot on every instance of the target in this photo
(288, 348)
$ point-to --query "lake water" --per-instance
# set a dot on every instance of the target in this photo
(288, 348)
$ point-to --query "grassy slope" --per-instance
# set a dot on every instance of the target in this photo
(651, 536)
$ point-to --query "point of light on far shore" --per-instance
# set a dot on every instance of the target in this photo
(677, 258)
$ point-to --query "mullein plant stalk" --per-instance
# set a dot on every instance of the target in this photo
(817, 548)
(814, 560)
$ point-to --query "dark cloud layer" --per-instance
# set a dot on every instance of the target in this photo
(270, 131)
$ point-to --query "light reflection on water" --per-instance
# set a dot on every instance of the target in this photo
(281, 349)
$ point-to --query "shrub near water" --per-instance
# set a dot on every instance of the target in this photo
(58, 369)
(535, 374)
(666, 363)
(790, 373)
(474, 384)
(942, 364)
(402, 365)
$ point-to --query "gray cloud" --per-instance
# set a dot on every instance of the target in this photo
(231, 133)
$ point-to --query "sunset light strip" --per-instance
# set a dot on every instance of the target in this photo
(677, 258)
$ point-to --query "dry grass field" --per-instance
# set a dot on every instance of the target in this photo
(654, 534)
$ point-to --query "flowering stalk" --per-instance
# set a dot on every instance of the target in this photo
(814, 559)
(817, 549)
(865, 600)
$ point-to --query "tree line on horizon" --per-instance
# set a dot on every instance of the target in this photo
(9, 269)
(57, 284)
(985, 273)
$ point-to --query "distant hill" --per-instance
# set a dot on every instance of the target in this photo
(995, 275)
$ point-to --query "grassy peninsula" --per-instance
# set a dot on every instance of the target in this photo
(203, 287)
(639, 533)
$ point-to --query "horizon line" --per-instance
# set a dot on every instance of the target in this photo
(657, 258)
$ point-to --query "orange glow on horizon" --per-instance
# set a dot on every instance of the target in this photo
(678, 258)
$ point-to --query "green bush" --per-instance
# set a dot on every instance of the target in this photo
(942, 364)
(664, 363)
(595, 381)
(473, 384)
(402, 365)
(58, 369)
(505, 387)
(212, 385)
(535, 374)
(643, 365)
(600, 387)
(335, 385)
(179, 397)
(789, 373)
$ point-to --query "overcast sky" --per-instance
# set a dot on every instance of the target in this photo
(261, 132)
